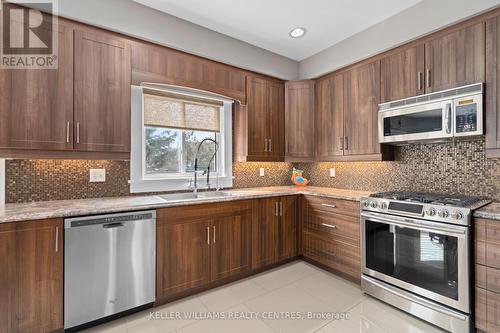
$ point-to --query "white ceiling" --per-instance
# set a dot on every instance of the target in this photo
(266, 23)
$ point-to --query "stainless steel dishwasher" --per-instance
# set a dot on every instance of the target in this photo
(109, 265)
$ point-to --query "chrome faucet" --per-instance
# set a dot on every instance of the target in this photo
(195, 187)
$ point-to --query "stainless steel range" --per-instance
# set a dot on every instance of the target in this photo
(416, 254)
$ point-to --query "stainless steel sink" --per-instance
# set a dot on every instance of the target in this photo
(193, 196)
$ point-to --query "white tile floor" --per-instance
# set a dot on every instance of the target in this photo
(294, 288)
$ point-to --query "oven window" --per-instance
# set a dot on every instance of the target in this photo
(424, 259)
(418, 122)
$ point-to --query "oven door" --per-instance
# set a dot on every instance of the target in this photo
(427, 258)
(428, 121)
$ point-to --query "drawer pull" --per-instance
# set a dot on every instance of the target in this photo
(329, 225)
(328, 205)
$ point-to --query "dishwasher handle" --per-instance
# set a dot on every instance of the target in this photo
(113, 225)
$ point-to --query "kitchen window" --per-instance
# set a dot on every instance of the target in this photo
(167, 128)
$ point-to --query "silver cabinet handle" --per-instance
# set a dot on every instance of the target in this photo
(57, 239)
(281, 208)
(419, 80)
(428, 78)
(346, 143)
(213, 236)
(78, 132)
(270, 145)
(265, 145)
(276, 208)
(328, 205)
(67, 132)
(329, 225)
(208, 235)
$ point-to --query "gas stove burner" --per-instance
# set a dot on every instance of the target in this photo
(430, 198)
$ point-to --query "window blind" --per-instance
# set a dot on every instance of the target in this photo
(164, 109)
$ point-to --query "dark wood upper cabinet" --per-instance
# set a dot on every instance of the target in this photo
(492, 102)
(329, 120)
(299, 121)
(31, 276)
(455, 59)
(231, 244)
(157, 64)
(36, 105)
(260, 125)
(402, 74)
(361, 99)
(102, 92)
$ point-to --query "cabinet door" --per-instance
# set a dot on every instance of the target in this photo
(455, 59)
(329, 118)
(230, 242)
(182, 255)
(31, 276)
(276, 110)
(492, 96)
(402, 74)
(258, 116)
(288, 228)
(361, 99)
(299, 121)
(36, 105)
(264, 232)
(102, 93)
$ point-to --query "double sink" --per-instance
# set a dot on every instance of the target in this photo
(193, 196)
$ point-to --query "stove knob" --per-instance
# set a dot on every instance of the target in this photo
(430, 212)
(366, 204)
(373, 204)
(383, 205)
(458, 215)
(444, 213)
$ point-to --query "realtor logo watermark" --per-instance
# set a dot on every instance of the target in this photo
(29, 34)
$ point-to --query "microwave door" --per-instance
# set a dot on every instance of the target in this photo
(421, 122)
(468, 116)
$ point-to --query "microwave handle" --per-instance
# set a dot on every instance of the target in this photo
(447, 118)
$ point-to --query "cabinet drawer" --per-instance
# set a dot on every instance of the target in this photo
(329, 205)
(345, 227)
(340, 256)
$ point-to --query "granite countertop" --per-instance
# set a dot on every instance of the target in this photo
(67, 208)
(490, 211)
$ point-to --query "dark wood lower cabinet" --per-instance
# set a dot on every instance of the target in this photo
(31, 276)
(288, 228)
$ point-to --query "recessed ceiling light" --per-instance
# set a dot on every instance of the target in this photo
(297, 32)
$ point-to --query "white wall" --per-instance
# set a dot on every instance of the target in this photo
(421, 19)
(133, 19)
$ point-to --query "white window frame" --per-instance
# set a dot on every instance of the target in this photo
(139, 182)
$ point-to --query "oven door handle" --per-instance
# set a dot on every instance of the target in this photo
(398, 222)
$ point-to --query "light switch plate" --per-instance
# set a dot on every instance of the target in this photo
(262, 172)
(332, 172)
(97, 175)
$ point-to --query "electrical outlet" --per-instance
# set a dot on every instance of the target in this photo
(332, 172)
(262, 172)
(97, 175)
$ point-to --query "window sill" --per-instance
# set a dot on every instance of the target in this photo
(175, 184)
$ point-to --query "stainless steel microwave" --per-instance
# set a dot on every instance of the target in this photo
(433, 117)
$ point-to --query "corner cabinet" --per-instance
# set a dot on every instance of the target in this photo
(200, 244)
(31, 276)
(102, 92)
(260, 125)
(299, 121)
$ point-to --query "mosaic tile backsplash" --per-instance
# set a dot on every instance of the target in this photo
(459, 167)
(45, 180)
